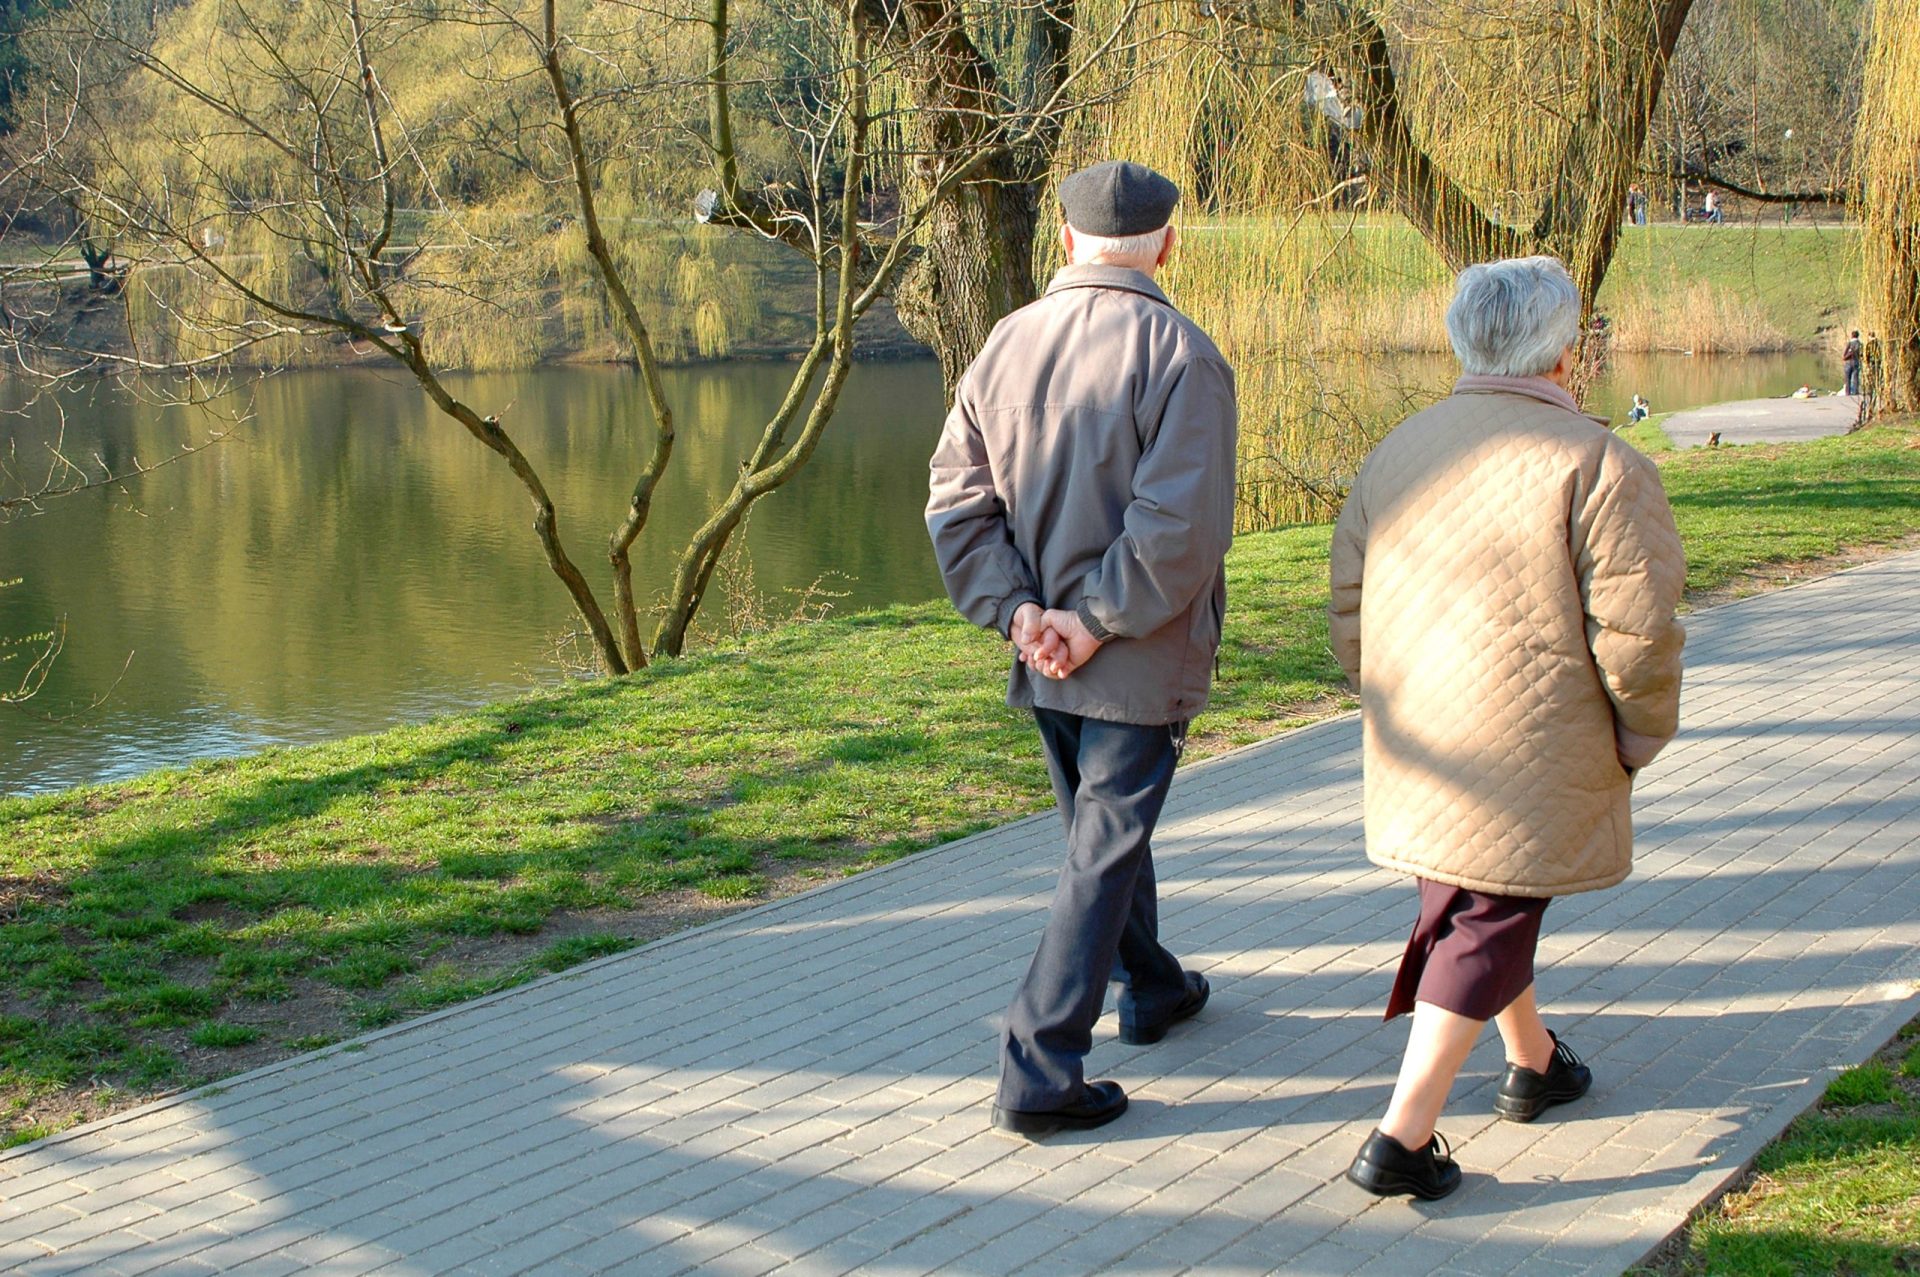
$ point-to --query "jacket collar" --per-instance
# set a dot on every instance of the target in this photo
(1121, 277)
(1540, 388)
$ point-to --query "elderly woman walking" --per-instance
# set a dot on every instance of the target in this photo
(1505, 573)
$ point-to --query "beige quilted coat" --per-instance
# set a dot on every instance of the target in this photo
(1505, 573)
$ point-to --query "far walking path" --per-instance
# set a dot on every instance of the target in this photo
(804, 1088)
(1784, 420)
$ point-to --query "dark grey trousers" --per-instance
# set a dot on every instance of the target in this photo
(1111, 780)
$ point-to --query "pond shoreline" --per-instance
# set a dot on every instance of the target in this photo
(1671, 289)
(375, 530)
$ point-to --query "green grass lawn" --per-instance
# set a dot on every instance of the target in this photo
(194, 922)
(1838, 1193)
(1800, 280)
(1743, 508)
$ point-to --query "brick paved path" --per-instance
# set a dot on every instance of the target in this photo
(804, 1087)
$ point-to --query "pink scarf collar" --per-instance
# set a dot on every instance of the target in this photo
(1533, 387)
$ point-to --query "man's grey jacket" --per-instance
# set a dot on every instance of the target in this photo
(1088, 465)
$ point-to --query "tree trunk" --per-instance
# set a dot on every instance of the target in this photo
(978, 268)
(1579, 222)
(1621, 79)
(978, 263)
(1896, 378)
(1888, 144)
(97, 252)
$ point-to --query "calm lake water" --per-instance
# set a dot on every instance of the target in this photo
(349, 559)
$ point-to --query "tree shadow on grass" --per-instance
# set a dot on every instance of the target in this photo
(268, 888)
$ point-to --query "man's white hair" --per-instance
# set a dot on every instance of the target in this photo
(1512, 318)
(1137, 251)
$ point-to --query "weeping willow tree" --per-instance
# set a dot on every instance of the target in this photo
(1888, 142)
(434, 185)
(1343, 160)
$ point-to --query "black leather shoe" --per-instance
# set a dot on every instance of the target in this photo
(1138, 1032)
(1098, 1104)
(1525, 1095)
(1385, 1167)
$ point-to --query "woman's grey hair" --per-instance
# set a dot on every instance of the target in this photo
(1512, 318)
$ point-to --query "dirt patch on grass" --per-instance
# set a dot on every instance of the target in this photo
(20, 892)
(1767, 577)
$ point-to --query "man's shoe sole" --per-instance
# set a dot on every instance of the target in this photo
(1022, 1122)
(1384, 1183)
(1525, 1110)
(1146, 1035)
(1136, 1034)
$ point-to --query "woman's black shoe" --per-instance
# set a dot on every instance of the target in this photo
(1385, 1167)
(1525, 1095)
(1099, 1103)
(1138, 1032)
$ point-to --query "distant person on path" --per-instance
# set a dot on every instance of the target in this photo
(1636, 205)
(1850, 362)
(1713, 207)
(1640, 411)
(1505, 573)
(1082, 505)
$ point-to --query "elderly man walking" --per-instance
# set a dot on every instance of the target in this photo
(1082, 505)
(1505, 573)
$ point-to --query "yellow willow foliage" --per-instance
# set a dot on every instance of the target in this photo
(1283, 281)
(277, 178)
(1888, 143)
(482, 303)
(1304, 281)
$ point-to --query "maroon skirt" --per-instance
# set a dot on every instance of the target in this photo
(1470, 953)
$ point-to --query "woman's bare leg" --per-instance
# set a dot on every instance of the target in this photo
(1437, 1047)
(1524, 1035)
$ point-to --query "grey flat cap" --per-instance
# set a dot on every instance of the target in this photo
(1117, 198)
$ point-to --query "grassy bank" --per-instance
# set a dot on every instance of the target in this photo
(197, 922)
(1732, 289)
(1838, 1193)
(1702, 289)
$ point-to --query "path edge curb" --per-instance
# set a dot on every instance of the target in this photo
(1753, 1139)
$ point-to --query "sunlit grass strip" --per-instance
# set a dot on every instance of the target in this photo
(1740, 508)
